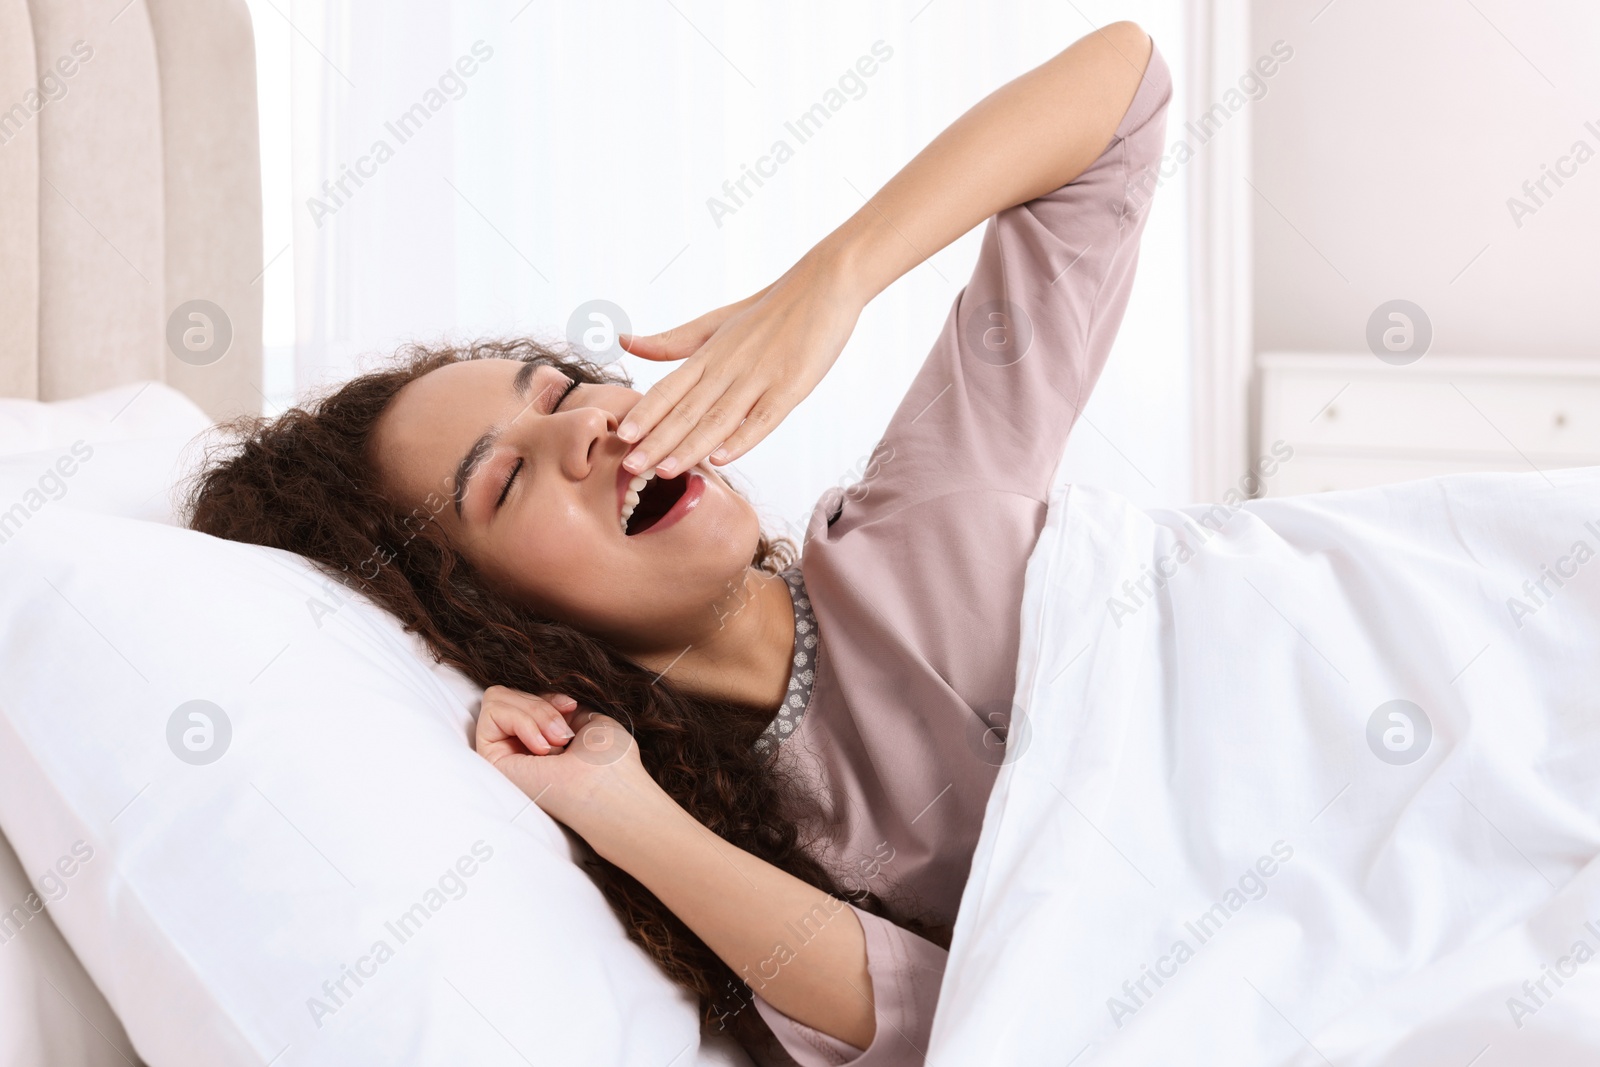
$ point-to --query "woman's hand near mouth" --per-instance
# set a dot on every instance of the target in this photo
(746, 366)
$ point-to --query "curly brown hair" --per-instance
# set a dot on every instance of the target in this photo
(302, 481)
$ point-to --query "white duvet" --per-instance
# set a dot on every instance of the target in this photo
(1310, 781)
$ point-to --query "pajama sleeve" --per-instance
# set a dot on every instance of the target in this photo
(905, 971)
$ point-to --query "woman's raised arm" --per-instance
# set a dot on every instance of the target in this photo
(747, 365)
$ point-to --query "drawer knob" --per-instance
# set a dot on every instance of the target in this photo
(1561, 419)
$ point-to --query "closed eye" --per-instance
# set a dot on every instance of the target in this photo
(562, 398)
(509, 479)
(516, 468)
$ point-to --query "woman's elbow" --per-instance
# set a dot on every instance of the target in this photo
(1128, 38)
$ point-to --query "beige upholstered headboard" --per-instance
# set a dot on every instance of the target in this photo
(129, 188)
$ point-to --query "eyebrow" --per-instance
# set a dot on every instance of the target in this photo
(484, 445)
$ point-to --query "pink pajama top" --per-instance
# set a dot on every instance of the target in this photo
(914, 575)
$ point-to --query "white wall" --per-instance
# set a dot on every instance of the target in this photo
(1385, 155)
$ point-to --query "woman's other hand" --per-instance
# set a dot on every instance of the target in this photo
(745, 367)
(582, 768)
(735, 902)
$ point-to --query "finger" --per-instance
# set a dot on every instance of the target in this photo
(676, 343)
(511, 729)
(680, 425)
(487, 732)
(662, 398)
(547, 711)
(767, 413)
(682, 341)
(550, 711)
(494, 741)
(715, 426)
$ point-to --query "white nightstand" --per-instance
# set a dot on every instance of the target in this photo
(1356, 421)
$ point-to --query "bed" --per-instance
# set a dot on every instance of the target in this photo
(204, 882)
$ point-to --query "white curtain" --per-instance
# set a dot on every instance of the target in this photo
(471, 170)
(1225, 79)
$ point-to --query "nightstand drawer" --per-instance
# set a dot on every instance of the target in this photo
(1355, 421)
(1477, 415)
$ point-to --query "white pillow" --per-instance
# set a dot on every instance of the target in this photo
(116, 451)
(134, 479)
(50, 1011)
(228, 903)
(124, 413)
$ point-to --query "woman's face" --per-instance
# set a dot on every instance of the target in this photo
(535, 468)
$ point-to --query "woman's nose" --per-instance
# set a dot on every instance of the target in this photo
(590, 428)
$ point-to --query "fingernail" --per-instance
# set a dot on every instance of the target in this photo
(561, 730)
(628, 432)
(719, 455)
(667, 466)
(634, 462)
(565, 701)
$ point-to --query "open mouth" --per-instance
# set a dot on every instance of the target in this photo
(647, 503)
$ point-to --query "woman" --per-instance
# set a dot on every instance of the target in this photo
(790, 833)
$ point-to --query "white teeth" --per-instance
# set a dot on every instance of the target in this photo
(631, 500)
